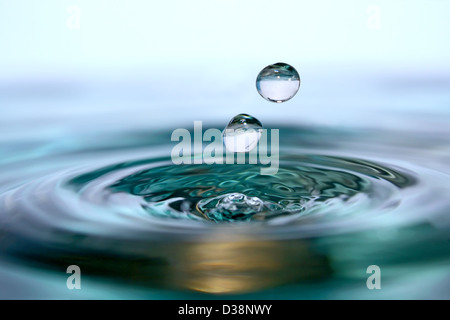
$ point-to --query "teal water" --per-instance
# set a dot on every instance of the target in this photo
(141, 227)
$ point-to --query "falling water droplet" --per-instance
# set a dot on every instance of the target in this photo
(242, 133)
(278, 82)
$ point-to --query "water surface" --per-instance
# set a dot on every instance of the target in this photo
(141, 227)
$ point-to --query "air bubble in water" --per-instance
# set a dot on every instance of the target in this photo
(242, 133)
(278, 82)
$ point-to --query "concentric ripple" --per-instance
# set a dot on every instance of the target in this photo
(237, 193)
(311, 195)
(165, 221)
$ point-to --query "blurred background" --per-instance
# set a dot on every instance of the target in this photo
(100, 65)
(79, 68)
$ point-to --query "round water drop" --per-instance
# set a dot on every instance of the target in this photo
(278, 82)
(242, 133)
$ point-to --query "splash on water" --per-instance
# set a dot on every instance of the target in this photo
(128, 214)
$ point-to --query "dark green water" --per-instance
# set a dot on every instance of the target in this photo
(141, 227)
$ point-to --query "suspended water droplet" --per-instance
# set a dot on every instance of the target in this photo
(278, 82)
(242, 133)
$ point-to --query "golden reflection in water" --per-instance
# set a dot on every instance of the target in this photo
(218, 264)
(246, 265)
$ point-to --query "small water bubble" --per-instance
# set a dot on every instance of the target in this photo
(242, 133)
(278, 82)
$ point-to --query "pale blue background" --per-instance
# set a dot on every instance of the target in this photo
(167, 63)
